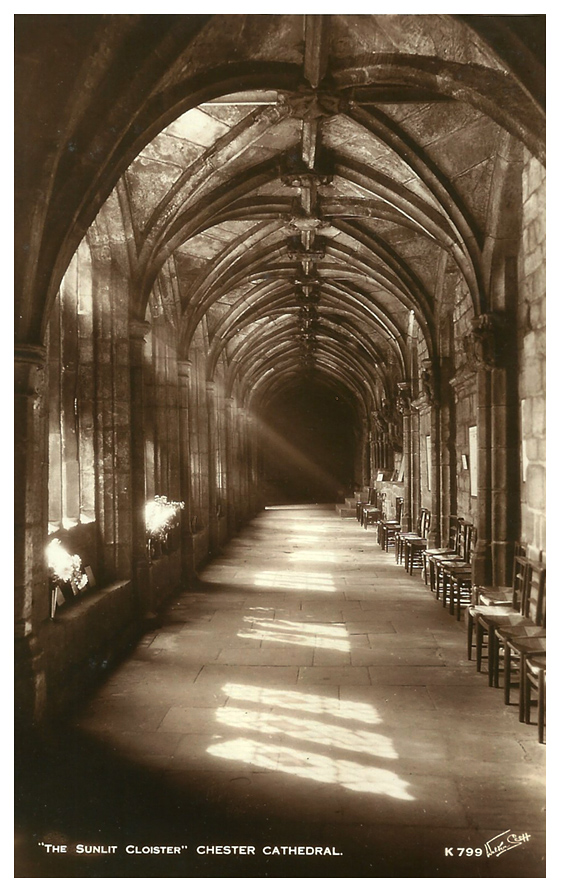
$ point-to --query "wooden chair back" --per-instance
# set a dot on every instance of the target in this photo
(424, 523)
(534, 593)
(470, 542)
(461, 544)
(457, 526)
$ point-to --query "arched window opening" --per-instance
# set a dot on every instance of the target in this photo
(72, 399)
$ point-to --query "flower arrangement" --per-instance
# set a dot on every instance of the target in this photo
(161, 516)
(66, 568)
(69, 578)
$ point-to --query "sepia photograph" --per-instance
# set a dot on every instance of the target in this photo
(280, 445)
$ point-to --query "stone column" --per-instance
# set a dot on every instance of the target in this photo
(138, 330)
(248, 501)
(415, 469)
(365, 447)
(445, 453)
(501, 465)
(481, 557)
(212, 490)
(486, 354)
(404, 406)
(187, 557)
(31, 588)
(231, 488)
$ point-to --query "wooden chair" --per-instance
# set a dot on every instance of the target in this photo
(371, 501)
(457, 579)
(502, 595)
(511, 598)
(429, 555)
(414, 546)
(371, 516)
(530, 612)
(459, 560)
(512, 640)
(389, 528)
(422, 527)
(517, 654)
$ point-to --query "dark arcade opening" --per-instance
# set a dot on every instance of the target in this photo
(309, 445)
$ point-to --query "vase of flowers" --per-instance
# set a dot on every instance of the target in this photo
(68, 577)
(162, 516)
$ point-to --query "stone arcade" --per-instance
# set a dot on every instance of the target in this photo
(260, 260)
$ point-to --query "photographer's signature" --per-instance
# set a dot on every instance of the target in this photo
(507, 840)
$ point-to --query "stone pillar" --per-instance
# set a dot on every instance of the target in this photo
(187, 556)
(365, 447)
(373, 459)
(212, 490)
(31, 588)
(497, 486)
(404, 406)
(415, 470)
(481, 557)
(138, 330)
(501, 511)
(445, 453)
(246, 458)
(230, 469)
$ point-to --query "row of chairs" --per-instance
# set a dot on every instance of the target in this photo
(505, 625)
(509, 627)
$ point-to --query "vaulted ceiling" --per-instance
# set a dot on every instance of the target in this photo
(297, 182)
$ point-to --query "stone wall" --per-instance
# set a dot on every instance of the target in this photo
(532, 354)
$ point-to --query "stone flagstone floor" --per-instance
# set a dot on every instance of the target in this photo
(307, 695)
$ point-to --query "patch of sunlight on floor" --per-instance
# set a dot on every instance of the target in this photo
(293, 700)
(313, 555)
(312, 635)
(285, 638)
(334, 630)
(306, 729)
(297, 580)
(314, 767)
(305, 539)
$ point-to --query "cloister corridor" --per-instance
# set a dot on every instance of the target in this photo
(306, 693)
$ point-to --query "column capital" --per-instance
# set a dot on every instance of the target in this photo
(29, 371)
(138, 329)
(485, 346)
(403, 402)
(184, 368)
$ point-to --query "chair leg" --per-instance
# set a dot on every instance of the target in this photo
(507, 670)
(469, 634)
(494, 678)
(541, 706)
(528, 700)
(492, 648)
(479, 632)
(522, 693)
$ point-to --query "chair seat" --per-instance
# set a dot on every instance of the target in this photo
(492, 610)
(489, 601)
(528, 644)
(493, 591)
(519, 630)
(463, 568)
